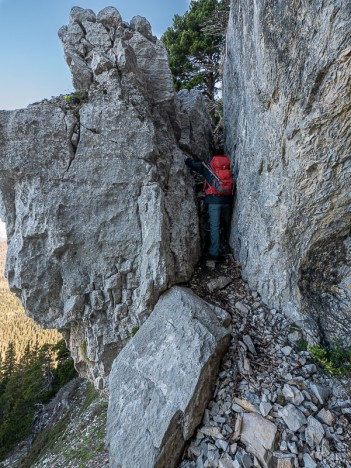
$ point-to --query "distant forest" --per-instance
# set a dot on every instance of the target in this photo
(15, 326)
(34, 365)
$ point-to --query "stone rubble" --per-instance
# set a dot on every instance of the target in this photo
(297, 416)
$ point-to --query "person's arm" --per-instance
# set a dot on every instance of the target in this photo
(200, 168)
(195, 165)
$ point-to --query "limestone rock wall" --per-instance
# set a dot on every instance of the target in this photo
(99, 206)
(287, 118)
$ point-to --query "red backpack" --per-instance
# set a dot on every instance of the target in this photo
(222, 178)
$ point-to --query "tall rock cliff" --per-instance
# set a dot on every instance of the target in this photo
(99, 206)
(287, 118)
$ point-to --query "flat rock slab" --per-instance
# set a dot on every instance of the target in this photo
(293, 417)
(218, 283)
(259, 436)
(162, 381)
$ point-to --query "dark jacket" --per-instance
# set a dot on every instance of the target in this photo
(201, 169)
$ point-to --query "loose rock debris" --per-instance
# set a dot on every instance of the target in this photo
(271, 406)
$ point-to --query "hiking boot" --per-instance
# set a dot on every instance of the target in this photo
(216, 258)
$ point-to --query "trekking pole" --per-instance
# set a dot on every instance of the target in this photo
(210, 170)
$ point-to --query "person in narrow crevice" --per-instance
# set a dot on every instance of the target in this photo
(219, 192)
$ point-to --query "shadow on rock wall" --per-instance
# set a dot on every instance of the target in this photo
(287, 118)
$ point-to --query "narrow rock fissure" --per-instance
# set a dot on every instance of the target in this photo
(271, 405)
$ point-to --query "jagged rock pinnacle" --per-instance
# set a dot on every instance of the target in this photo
(99, 205)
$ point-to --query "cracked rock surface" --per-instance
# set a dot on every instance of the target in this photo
(99, 206)
(162, 380)
(288, 121)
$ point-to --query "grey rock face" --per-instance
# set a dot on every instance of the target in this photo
(162, 381)
(292, 395)
(194, 130)
(293, 417)
(314, 432)
(287, 119)
(259, 436)
(99, 206)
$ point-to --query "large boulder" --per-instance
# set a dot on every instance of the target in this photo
(162, 381)
(287, 120)
(100, 211)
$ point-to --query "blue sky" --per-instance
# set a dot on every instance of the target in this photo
(31, 56)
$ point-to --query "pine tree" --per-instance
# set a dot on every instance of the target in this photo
(195, 46)
(65, 370)
(9, 365)
(36, 380)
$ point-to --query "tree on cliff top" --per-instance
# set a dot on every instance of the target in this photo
(195, 46)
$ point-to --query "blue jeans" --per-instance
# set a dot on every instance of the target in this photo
(215, 213)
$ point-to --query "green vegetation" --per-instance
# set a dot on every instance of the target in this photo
(83, 352)
(19, 329)
(195, 45)
(336, 360)
(34, 365)
(76, 438)
(77, 97)
(35, 379)
(134, 331)
(74, 102)
(15, 326)
(46, 440)
(301, 345)
(87, 449)
(90, 395)
(281, 400)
